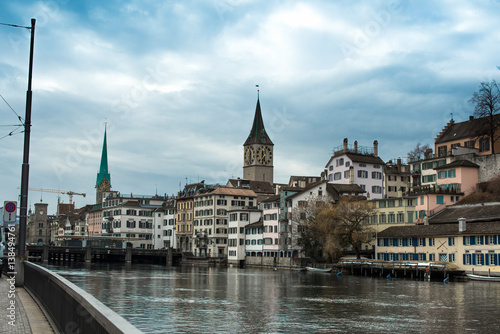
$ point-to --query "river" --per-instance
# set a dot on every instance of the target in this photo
(159, 299)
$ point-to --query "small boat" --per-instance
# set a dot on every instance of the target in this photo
(324, 270)
(484, 278)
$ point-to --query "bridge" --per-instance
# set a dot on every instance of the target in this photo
(47, 253)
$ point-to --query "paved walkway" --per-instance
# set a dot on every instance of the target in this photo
(25, 317)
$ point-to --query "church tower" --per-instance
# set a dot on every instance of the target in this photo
(258, 151)
(103, 182)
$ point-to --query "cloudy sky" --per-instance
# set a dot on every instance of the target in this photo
(176, 81)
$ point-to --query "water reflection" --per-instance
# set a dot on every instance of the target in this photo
(157, 299)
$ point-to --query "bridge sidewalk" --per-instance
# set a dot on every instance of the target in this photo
(26, 317)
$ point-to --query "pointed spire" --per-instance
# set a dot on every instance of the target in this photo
(103, 169)
(258, 133)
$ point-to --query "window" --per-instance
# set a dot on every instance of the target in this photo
(347, 163)
(401, 217)
(362, 174)
(382, 218)
(451, 257)
(469, 144)
(340, 162)
(491, 259)
(337, 176)
(376, 189)
(484, 144)
(443, 257)
(432, 242)
(391, 218)
(377, 175)
(440, 199)
(429, 178)
(442, 151)
(347, 174)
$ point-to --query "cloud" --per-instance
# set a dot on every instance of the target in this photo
(176, 83)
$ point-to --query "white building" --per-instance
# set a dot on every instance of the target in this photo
(164, 225)
(130, 217)
(270, 213)
(238, 242)
(357, 165)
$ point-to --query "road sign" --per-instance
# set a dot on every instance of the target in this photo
(9, 211)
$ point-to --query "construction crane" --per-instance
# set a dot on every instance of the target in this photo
(70, 193)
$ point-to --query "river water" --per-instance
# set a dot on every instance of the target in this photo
(158, 299)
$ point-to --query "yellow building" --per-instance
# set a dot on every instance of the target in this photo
(466, 235)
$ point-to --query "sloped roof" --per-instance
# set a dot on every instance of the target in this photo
(230, 191)
(458, 163)
(416, 231)
(259, 187)
(471, 212)
(258, 134)
(272, 198)
(359, 158)
(463, 130)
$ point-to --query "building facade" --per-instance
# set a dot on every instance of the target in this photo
(357, 165)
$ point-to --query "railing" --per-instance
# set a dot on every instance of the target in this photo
(71, 309)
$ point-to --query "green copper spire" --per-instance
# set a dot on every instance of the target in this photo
(103, 173)
(258, 133)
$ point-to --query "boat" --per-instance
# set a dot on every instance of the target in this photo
(324, 270)
(484, 278)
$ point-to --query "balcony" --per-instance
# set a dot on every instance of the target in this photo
(436, 189)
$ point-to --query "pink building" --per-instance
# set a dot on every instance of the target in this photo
(454, 181)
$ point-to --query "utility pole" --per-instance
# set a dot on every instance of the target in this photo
(25, 168)
(23, 210)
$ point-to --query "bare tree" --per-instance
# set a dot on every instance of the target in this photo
(327, 229)
(418, 153)
(311, 238)
(486, 106)
(352, 214)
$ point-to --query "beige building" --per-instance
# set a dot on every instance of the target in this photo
(210, 221)
(465, 235)
(389, 212)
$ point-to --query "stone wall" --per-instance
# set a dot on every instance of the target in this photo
(278, 262)
(489, 165)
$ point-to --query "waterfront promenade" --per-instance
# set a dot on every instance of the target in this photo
(29, 318)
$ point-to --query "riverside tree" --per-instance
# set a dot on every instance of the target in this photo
(326, 229)
(486, 102)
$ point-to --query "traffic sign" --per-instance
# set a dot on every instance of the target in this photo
(9, 211)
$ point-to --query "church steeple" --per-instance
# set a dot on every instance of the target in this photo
(258, 134)
(258, 151)
(103, 182)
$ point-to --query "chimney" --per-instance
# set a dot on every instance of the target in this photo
(471, 118)
(345, 144)
(461, 224)
(426, 220)
(355, 146)
(399, 164)
(428, 153)
(351, 175)
(375, 148)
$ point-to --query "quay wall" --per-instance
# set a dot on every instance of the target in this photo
(71, 309)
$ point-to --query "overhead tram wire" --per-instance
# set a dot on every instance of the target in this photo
(7, 103)
(14, 25)
(13, 132)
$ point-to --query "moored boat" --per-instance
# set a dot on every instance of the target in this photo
(484, 278)
(323, 270)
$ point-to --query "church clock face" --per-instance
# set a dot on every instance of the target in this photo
(103, 186)
(249, 155)
(264, 155)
